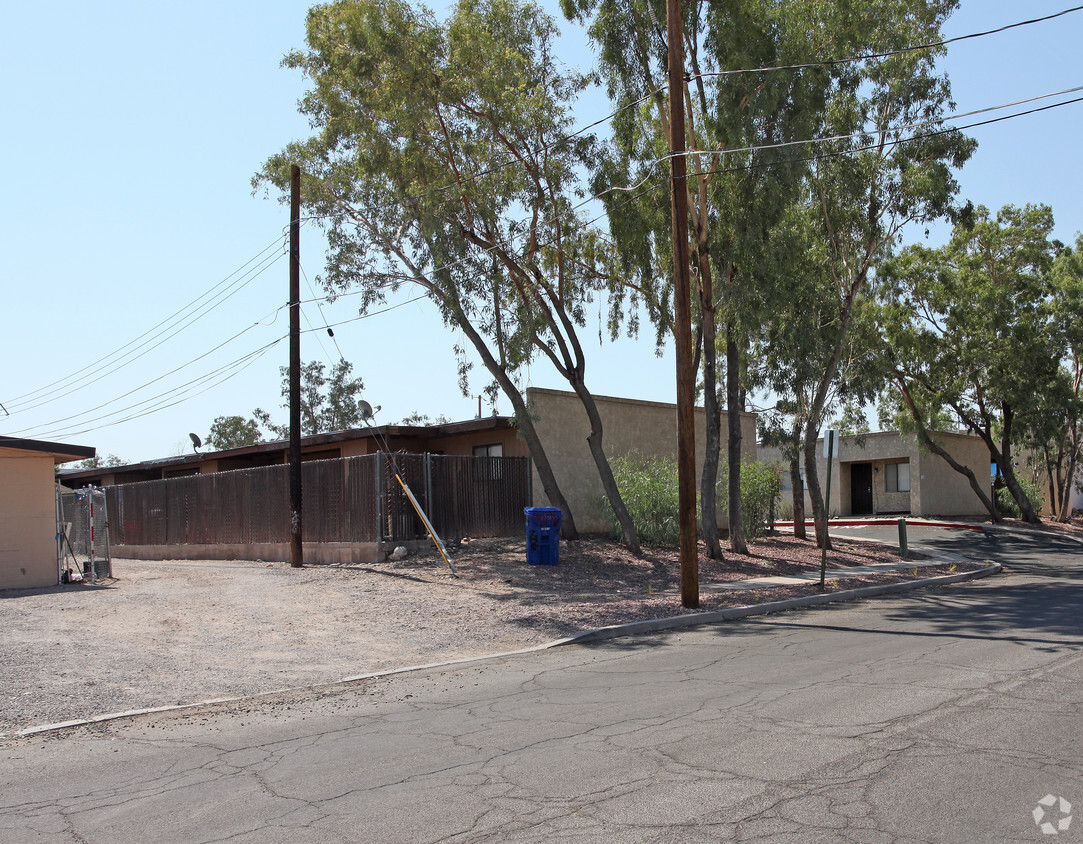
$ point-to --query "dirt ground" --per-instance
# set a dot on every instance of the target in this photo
(177, 632)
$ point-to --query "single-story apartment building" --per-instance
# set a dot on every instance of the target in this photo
(493, 436)
(28, 517)
(888, 473)
(644, 427)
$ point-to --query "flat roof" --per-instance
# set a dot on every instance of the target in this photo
(486, 423)
(61, 452)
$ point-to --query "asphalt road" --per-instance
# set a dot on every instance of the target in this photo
(945, 716)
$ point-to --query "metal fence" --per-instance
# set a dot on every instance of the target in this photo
(351, 499)
(84, 531)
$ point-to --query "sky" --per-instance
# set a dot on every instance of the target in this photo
(132, 131)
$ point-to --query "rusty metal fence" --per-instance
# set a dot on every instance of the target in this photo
(351, 499)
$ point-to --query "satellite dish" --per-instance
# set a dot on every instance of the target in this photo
(196, 442)
(366, 410)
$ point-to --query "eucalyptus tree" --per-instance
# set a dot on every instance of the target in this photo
(233, 432)
(329, 402)
(976, 328)
(740, 180)
(441, 157)
(1062, 446)
(886, 163)
(794, 342)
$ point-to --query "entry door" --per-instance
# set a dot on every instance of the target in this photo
(860, 488)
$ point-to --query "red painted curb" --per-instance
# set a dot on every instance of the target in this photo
(889, 523)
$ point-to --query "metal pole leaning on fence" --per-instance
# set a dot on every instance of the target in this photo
(366, 416)
(428, 525)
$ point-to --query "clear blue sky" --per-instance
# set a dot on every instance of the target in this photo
(132, 131)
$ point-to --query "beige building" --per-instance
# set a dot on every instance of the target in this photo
(28, 544)
(649, 428)
(888, 474)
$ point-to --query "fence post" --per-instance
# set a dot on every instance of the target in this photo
(381, 497)
(430, 504)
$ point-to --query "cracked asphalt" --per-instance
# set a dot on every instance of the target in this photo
(937, 716)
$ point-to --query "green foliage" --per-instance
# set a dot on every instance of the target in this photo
(979, 328)
(99, 462)
(648, 486)
(233, 432)
(418, 418)
(1007, 504)
(328, 402)
(851, 420)
(760, 492)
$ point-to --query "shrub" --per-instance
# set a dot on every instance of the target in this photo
(760, 492)
(1007, 504)
(648, 486)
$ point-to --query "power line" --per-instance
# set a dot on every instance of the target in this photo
(158, 401)
(149, 345)
(842, 137)
(874, 131)
(889, 53)
(319, 307)
(143, 344)
(891, 143)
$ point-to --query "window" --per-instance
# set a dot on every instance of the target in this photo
(897, 477)
(786, 484)
(488, 470)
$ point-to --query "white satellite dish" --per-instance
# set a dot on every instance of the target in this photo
(366, 410)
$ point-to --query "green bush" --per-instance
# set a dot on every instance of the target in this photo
(1007, 504)
(648, 486)
(760, 492)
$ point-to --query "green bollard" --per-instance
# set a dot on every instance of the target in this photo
(902, 538)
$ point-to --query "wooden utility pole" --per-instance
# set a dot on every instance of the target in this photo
(682, 306)
(296, 554)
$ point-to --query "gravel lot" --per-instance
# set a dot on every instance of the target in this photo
(165, 633)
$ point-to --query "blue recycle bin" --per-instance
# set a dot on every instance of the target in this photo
(542, 535)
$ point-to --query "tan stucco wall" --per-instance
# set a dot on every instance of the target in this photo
(649, 428)
(945, 492)
(27, 520)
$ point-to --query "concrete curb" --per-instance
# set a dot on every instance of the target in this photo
(587, 636)
(693, 619)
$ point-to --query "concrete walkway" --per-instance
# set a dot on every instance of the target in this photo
(813, 576)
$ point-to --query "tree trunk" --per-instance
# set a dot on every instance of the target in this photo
(713, 435)
(1008, 471)
(733, 412)
(609, 483)
(526, 427)
(812, 477)
(925, 439)
(797, 483)
(1056, 482)
(1065, 513)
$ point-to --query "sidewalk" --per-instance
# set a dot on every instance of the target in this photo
(832, 574)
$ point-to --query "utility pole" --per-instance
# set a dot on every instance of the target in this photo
(682, 306)
(296, 554)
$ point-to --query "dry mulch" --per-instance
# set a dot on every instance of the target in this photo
(599, 582)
